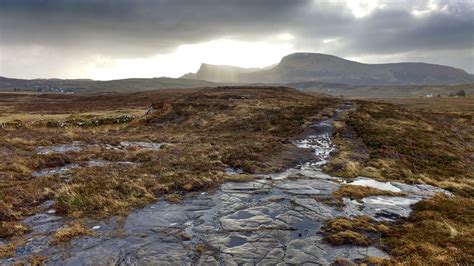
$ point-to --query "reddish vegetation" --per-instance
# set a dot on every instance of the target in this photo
(205, 130)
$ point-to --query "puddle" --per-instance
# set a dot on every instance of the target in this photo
(63, 170)
(390, 201)
(100, 163)
(304, 228)
(243, 215)
(236, 241)
(366, 182)
(141, 145)
(233, 171)
(318, 140)
(55, 170)
(77, 146)
(74, 147)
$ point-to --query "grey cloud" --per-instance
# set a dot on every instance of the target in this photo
(136, 26)
(141, 28)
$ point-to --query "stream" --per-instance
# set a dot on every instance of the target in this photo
(271, 220)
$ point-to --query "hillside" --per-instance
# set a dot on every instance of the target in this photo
(306, 71)
(374, 91)
(81, 85)
(301, 67)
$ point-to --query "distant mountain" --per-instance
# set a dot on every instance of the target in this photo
(189, 76)
(306, 71)
(302, 67)
(220, 73)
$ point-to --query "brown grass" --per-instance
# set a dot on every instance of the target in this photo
(347, 237)
(440, 231)
(66, 234)
(384, 141)
(359, 230)
(239, 178)
(8, 250)
(37, 260)
(431, 143)
(201, 248)
(174, 198)
(12, 229)
(441, 105)
(206, 130)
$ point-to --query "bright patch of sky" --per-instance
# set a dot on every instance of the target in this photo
(362, 8)
(188, 58)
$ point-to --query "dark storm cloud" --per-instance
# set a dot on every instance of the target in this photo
(150, 26)
(395, 31)
(122, 28)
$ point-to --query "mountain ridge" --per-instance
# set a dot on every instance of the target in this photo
(301, 67)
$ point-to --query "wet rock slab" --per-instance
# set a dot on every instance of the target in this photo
(262, 222)
(61, 170)
(63, 148)
(77, 146)
(64, 171)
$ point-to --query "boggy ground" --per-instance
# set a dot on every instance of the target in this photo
(274, 219)
(429, 143)
(203, 131)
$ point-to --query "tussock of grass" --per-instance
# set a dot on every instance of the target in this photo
(12, 229)
(93, 194)
(8, 250)
(239, 178)
(357, 231)
(66, 234)
(343, 262)
(348, 237)
(201, 248)
(362, 223)
(174, 198)
(376, 261)
(37, 260)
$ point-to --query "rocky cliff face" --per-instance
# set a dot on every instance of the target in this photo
(218, 73)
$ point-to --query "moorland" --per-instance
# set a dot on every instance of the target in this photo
(200, 133)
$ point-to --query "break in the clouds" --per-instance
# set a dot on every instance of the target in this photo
(103, 39)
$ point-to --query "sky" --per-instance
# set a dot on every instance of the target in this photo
(114, 39)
